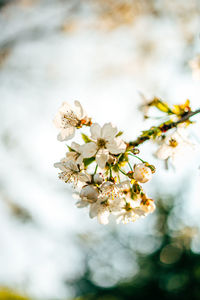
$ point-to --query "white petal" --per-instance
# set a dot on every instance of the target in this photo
(72, 165)
(78, 109)
(116, 146)
(102, 157)
(88, 150)
(60, 166)
(150, 207)
(142, 173)
(84, 177)
(66, 134)
(95, 130)
(79, 160)
(57, 120)
(164, 152)
(124, 185)
(105, 185)
(134, 203)
(90, 192)
(71, 156)
(103, 216)
(75, 146)
(108, 131)
(139, 211)
(65, 107)
(119, 218)
(98, 178)
(81, 204)
(93, 210)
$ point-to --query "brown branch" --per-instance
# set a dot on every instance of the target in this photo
(163, 128)
(188, 115)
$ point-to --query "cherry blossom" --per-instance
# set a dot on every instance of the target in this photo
(174, 146)
(71, 172)
(142, 173)
(104, 141)
(68, 119)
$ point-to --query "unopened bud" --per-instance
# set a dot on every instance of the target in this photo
(135, 151)
(112, 160)
(152, 167)
(98, 178)
(130, 174)
(142, 173)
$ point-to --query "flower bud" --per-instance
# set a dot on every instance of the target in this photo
(142, 173)
(98, 178)
(112, 160)
(152, 167)
(136, 151)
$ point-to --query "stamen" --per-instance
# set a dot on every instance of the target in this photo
(173, 143)
(101, 143)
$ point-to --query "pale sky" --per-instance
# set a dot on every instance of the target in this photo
(105, 71)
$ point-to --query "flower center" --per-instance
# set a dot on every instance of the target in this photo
(70, 119)
(101, 143)
(127, 206)
(173, 143)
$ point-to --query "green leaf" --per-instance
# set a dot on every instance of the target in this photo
(85, 138)
(119, 133)
(70, 149)
(88, 161)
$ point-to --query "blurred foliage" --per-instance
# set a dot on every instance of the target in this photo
(172, 271)
(114, 13)
(3, 2)
(16, 210)
(6, 294)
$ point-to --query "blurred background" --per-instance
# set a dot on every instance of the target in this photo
(104, 53)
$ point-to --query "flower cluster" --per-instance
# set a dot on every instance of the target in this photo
(102, 169)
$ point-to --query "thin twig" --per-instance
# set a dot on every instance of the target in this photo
(163, 127)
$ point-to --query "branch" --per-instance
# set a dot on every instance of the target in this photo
(162, 128)
(188, 116)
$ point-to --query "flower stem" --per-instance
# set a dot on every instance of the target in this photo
(121, 171)
(136, 157)
(130, 166)
(110, 172)
(95, 169)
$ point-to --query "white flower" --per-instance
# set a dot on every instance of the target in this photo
(100, 210)
(142, 173)
(175, 146)
(88, 194)
(195, 66)
(71, 172)
(124, 186)
(112, 193)
(148, 206)
(110, 200)
(68, 119)
(127, 213)
(75, 155)
(127, 216)
(104, 141)
(135, 210)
